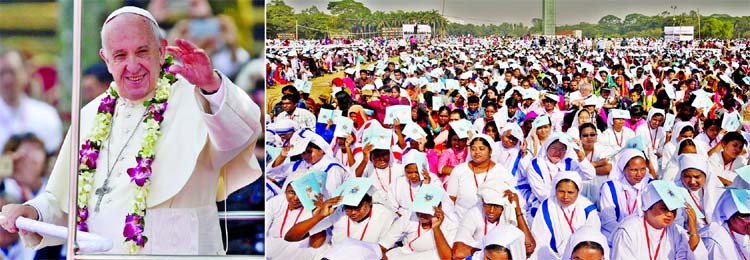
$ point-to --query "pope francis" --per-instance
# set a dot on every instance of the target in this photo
(151, 173)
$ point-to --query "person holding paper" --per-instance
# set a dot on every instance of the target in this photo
(654, 229)
(500, 206)
(283, 212)
(207, 131)
(703, 187)
(378, 163)
(426, 233)
(728, 236)
(561, 214)
(416, 174)
(619, 197)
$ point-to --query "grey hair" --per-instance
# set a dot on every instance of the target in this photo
(155, 30)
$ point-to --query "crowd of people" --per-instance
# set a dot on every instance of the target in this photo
(486, 148)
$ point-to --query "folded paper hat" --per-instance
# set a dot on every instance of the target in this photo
(540, 121)
(353, 190)
(462, 127)
(427, 197)
(620, 113)
(661, 190)
(413, 131)
(742, 181)
(418, 158)
(514, 129)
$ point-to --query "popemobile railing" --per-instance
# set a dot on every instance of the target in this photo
(73, 178)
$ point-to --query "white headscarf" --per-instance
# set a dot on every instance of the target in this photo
(622, 160)
(585, 234)
(494, 149)
(712, 187)
(676, 131)
(726, 207)
(507, 236)
(573, 130)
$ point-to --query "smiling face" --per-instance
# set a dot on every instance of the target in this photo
(380, 158)
(655, 121)
(292, 198)
(134, 56)
(659, 216)
(567, 192)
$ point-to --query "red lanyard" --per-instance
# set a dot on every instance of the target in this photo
(381, 183)
(631, 209)
(737, 244)
(619, 141)
(549, 171)
(485, 225)
(284, 222)
(419, 234)
(696, 202)
(591, 156)
(648, 241)
(349, 222)
(653, 138)
(411, 194)
(730, 166)
(569, 220)
(487, 173)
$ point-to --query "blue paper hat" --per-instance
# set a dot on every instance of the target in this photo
(427, 197)
(742, 181)
(637, 142)
(667, 191)
(307, 188)
(353, 190)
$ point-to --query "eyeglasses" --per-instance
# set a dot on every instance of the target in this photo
(588, 135)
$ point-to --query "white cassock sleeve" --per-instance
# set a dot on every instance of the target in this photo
(233, 124)
(623, 246)
(585, 169)
(607, 214)
(539, 187)
(395, 232)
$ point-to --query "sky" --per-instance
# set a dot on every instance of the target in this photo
(568, 11)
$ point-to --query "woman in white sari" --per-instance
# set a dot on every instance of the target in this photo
(416, 174)
(654, 229)
(511, 148)
(686, 146)
(466, 178)
(703, 187)
(620, 196)
(561, 214)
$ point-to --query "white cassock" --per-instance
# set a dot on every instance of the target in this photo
(723, 244)
(279, 219)
(707, 142)
(336, 174)
(554, 224)
(371, 229)
(616, 140)
(181, 216)
(474, 226)
(629, 242)
(418, 243)
(463, 183)
(510, 158)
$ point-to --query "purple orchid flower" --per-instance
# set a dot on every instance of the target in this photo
(89, 154)
(107, 105)
(83, 213)
(141, 172)
(133, 227)
(82, 226)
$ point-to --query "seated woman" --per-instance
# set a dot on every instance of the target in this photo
(283, 212)
(582, 116)
(653, 230)
(466, 178)
(619, 197)
(357, 218)
(597, 156)
(680, 131)
(587, 243)
(726, 157)
(416, 175)
(535, 183)
(379, 165)
(426, 233)
(453, 156)
(728, 236)
(497, 201)
(505, 242)
(539, 134)
(511, 149)
(557, 219)
(703, 187)
(686, 146)
(616, 135)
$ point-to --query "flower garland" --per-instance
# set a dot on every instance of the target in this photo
(141, 173)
